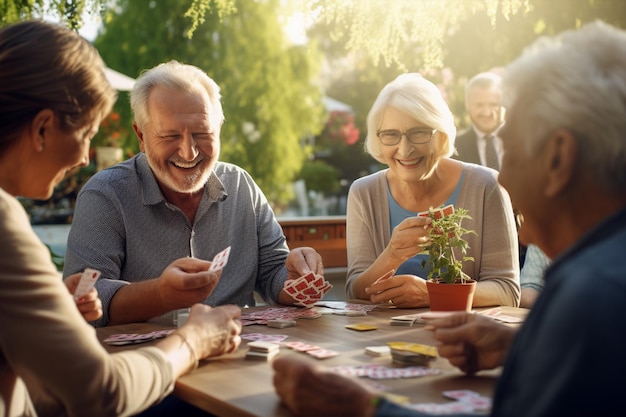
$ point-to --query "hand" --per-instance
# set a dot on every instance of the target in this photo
(307, 390)
(472, 342)
(89, 305)
(409, 238)
(404, 291)
(213, 331)
(186, 281)
(300, 261)
(303, 260)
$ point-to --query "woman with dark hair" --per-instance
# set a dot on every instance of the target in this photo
(53, 94)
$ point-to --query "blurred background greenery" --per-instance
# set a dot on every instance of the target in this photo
(298, 76)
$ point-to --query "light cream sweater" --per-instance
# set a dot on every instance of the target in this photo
(51, 362)
(494, 247)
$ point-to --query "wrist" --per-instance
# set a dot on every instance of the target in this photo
(192, 353)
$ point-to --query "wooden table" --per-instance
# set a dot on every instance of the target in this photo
(233, 386)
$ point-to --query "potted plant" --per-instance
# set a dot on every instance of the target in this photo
(449, 288)
(109, 141)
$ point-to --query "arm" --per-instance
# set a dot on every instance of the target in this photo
(372, 253)
(531, 275)
(472, 342)
(89, 305)
(308, 390)
(75, 375)
(366, 239)
(207, 332)
(184, 282)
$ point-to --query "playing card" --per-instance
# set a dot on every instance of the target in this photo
(307, 289)
(220, 260)
(378, 350)
(361, 327)
(300, 346)
(385, 276)
(274, 338)
(262, 356)
(86, 283)
(322, 353)
(262, 346)
(280, 323)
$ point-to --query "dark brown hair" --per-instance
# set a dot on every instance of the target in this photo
(47, 66)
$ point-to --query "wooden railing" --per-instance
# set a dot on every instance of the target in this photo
(325, 234)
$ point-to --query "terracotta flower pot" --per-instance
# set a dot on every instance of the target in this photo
(107, 156)
(451, 297)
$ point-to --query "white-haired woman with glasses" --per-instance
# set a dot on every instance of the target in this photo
(411, 129)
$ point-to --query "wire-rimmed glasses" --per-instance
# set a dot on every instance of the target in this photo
(417, 136)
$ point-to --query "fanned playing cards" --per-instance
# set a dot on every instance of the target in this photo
(308, 289)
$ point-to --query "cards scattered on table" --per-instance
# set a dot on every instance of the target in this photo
(220, 260)
(466, 401)
(310, 349)
(498, 314)
(277, 313)
(271, 338)
(375, 371)
(281, 323)
(405, 320)
(87, 281)
(322, 353)
(134, 338)
(308, 289)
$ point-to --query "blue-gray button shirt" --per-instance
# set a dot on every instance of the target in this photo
(124, 227)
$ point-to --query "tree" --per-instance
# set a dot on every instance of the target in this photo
(269, 97)
(69, 12)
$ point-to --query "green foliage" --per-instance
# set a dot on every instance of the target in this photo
(199, 9)
(320, 176)
(69, 12)
(383, 29)
(447, 234)
(57, 260)
(270, 98)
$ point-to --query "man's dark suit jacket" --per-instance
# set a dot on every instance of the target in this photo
(466, 144)
(467, 147)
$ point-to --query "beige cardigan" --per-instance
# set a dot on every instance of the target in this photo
(494, 247)
(51, 362)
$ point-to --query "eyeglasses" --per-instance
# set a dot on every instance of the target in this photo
(392, 137)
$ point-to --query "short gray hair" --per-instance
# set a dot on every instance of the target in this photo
(420, 99)
(178, 77)
(575, 81)
(483, 80)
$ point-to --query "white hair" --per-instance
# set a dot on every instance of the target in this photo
(178, 77)
(420, 99)
(575, 81)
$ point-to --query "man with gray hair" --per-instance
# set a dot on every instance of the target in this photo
(480, 143)
(564, 166)
(174, 200)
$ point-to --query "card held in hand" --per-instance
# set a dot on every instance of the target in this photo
(87, 281)
(220, 260)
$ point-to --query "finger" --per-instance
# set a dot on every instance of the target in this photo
(320, 268)
(449, 320)
(191, 265)
(71, 282)
(306, 260)
(191, 281)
